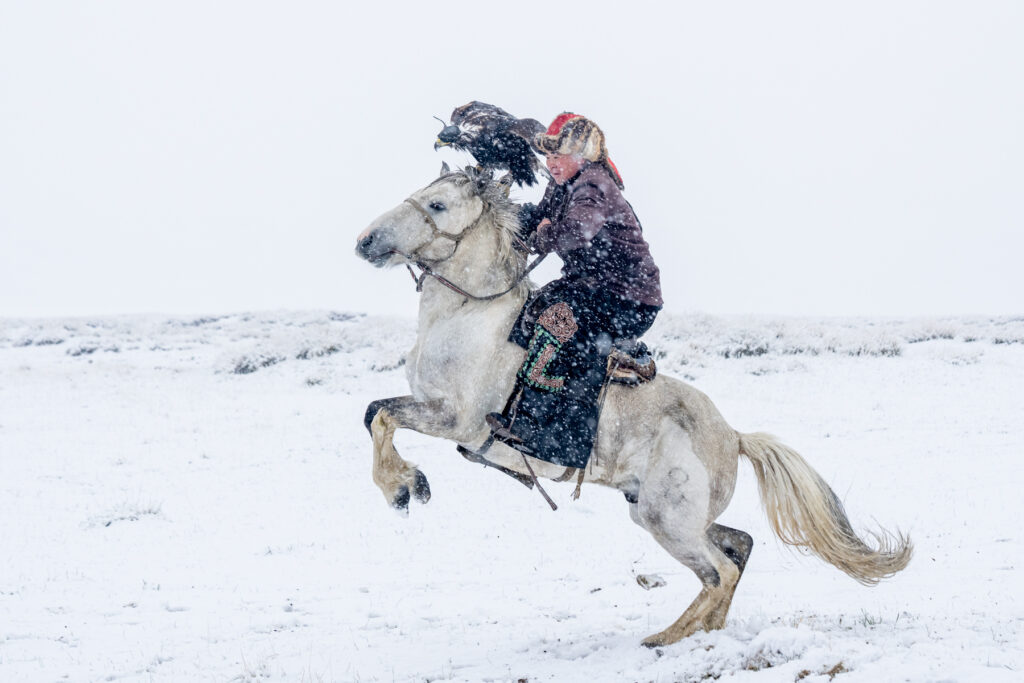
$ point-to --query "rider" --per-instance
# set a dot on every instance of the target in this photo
(610, 289)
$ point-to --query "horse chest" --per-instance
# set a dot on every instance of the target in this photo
(447, 353)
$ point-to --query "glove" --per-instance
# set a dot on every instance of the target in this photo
(529, 218)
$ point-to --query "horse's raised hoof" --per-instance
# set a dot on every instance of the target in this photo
(401, 500)
(421, 488)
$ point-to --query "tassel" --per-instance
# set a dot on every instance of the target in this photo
(579, 483)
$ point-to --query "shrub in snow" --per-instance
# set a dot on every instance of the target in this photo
(251, 363)
(344, 317)
(306, 354)
(126, 512)
(44, 341)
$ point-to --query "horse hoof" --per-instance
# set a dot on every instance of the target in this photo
(401, 500)
(421, 488)
(657, 640)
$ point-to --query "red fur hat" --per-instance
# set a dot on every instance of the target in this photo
(574, 134)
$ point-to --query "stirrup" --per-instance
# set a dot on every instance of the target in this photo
(502, 434)
(499, 428)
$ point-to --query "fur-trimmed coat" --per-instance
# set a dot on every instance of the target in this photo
(596, 234)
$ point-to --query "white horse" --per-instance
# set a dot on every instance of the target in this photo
(663, 443)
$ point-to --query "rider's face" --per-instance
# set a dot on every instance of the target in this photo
(563, 167)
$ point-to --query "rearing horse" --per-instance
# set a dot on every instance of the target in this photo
(663, 444)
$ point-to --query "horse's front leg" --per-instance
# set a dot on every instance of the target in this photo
(394, 476)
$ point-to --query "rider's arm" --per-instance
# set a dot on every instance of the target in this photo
(531, 215)
(583, 219)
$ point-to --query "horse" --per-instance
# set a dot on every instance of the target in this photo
(663, 444)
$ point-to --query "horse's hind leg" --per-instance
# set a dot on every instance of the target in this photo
(719, 577)
(394, 476)
(736, 545)
(673, 505)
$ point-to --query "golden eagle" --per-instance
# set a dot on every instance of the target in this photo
(495, 138)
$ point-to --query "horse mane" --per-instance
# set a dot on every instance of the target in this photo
(502, 212)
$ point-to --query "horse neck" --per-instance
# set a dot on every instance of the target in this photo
(477, 267)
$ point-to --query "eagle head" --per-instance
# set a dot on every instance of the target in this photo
(448, 136)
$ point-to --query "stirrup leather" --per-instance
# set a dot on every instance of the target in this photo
(631, 367)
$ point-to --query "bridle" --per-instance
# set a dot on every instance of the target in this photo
(438, 232)
(425, 264)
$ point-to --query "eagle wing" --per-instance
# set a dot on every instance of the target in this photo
(496, 139)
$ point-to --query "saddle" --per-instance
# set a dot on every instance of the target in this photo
(630, 363)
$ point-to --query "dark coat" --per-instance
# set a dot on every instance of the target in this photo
(596, 234)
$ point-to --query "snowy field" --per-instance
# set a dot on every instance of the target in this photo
(190, 499)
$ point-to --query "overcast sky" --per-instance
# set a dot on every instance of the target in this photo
(784, 158)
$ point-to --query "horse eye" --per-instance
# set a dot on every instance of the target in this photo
(437, 206)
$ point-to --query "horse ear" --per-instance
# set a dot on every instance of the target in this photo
(444, 169)
(483, 179)
(505, 184)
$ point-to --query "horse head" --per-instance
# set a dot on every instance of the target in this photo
(429, 226)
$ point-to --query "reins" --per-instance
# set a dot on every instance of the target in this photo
(426, 270)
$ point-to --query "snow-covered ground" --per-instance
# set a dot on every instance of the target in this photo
(190, 499)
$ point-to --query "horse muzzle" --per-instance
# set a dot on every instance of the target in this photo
(370, 246)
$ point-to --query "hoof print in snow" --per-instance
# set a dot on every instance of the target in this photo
(649, 581)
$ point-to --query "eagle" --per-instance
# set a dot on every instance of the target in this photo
(495, 138)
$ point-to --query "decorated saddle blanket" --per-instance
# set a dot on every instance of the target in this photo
(579, 341)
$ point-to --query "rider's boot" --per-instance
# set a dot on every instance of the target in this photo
(501, 423)
(501, 430)
(555, 426)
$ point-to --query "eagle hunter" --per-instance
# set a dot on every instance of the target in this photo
(495, 138)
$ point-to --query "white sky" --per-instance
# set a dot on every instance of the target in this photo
(793, 158)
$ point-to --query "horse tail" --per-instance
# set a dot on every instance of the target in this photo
(804, 512)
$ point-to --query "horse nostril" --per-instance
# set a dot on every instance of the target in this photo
(365, 244)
